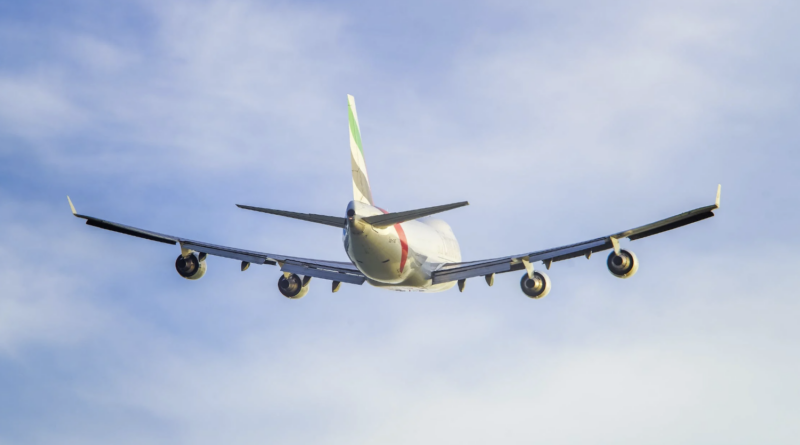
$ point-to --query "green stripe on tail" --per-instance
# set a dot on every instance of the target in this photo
(361, 190)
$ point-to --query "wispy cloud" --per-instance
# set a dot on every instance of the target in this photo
(558, 121)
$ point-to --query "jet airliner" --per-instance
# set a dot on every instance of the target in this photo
(399, 250)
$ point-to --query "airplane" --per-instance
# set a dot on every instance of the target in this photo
(400, 251)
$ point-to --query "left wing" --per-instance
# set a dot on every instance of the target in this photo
(460, 271)
(344, 272)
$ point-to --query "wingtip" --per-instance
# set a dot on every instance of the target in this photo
(719, 192)
(72, 207)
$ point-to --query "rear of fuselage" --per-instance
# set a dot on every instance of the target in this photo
(399, 257)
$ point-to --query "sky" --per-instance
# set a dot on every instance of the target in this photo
(558, 121)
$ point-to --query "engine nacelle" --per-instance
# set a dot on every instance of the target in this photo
(293, 286)
(623, 265)
(190, 267)
(536, 287)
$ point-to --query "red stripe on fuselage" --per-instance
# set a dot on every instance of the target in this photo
(403, 243)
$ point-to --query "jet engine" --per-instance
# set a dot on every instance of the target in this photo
(293, 286)
(623, 265)
(536, 287)
(191, 267)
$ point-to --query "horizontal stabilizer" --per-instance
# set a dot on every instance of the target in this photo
(391, 219)
(335, 221)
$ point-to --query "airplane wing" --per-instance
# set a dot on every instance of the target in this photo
(459, 271)
(344, 272)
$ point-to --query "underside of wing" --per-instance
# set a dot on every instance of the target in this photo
(338, 271)
(462, 271)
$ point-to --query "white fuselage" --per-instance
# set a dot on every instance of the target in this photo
(399, 257)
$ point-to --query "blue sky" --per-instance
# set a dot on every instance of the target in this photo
(558, 121)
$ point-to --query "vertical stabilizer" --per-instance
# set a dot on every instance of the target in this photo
(361, 190)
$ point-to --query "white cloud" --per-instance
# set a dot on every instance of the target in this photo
(551, 132)
(219, 86)
(43, 299)
(36, 108)
(99, 56)
(619, 96)
(691, 368)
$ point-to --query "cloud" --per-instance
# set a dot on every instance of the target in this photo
(559, 122)
(643, 94)
(43, 301)
(673, 371)
(36, 108)
(216, 86)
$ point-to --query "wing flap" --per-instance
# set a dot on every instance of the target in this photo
(671, 225)
(459, 272)
(127, 230)
(227, 252)
(312, 270)
(571, 251)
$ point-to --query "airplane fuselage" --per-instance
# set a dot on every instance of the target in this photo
(399, 257)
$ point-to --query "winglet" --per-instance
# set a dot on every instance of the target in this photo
(72, 206)
(719, 190)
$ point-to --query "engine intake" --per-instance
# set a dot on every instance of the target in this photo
(536, 287)
(191, 267)
(623, 265)
(293, 286)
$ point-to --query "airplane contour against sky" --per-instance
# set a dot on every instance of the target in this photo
(399, 250)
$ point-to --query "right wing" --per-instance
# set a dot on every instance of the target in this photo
(459, 271)
(344, 272)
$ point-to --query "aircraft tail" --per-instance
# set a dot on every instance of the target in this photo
(361, 190)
